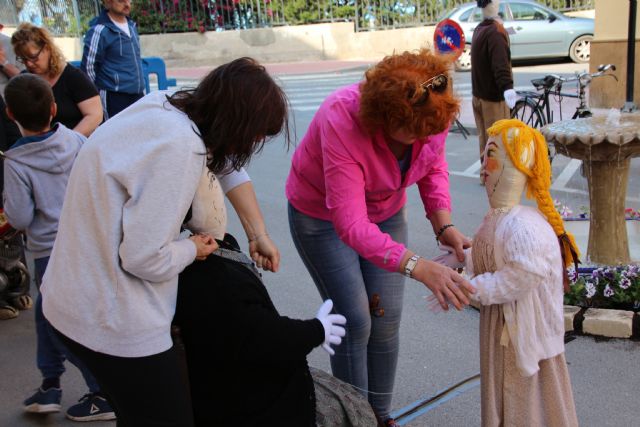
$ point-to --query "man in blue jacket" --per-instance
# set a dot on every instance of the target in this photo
(111, 57)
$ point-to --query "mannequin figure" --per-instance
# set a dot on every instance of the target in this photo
(265, 377)
(491, 75)
(517, 263)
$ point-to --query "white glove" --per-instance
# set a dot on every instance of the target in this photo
(510, 97)
(333, 332)
(449, 258)
(434, 305)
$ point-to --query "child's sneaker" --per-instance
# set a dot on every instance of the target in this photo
(44, 401)
(91, 407)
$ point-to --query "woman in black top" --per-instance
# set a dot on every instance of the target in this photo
(79, 106)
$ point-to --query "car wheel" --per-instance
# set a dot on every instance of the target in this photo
(580, 50)
(463, 63)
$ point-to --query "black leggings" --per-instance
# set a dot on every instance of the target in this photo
(143, 391)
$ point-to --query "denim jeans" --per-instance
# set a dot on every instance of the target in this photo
(368, 355)
(51, 353)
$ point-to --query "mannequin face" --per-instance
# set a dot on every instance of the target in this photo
(491, 10)
(504, 183)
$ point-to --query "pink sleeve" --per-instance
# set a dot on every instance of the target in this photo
(434, 186)
(345, 193)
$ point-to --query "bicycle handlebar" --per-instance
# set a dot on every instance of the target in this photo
(583, 79)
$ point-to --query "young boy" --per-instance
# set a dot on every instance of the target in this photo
(36, 170)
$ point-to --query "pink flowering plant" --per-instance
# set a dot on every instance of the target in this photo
(565, 211)
(605, 287)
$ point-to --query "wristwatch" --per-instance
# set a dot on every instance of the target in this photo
(410, 265)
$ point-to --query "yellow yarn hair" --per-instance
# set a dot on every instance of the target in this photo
(538, 176)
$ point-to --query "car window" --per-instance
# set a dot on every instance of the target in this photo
(528, 12)
(447, 14)
(477, 14)
(465, 16)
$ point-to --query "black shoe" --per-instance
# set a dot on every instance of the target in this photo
(91, 407)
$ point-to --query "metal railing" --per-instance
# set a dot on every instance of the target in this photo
(71, 17)
(61, 17)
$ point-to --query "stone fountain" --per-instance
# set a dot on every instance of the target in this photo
(606, 145)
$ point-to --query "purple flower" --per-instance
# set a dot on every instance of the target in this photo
(632, 271)
(608, 291)
(610, 273)
(591, 289)
(625, 283)
(597, 273)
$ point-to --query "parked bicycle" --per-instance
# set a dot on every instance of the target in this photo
(534, 108)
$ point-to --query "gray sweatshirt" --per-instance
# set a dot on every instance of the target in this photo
(36, 172)
(111, 282)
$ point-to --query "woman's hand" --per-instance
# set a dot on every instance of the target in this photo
(205, 245)
(445, 284)
(264, 253)
(454, 238)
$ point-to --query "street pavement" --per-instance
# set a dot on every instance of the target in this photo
(436, 351)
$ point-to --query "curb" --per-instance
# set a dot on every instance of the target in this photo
(598, 322)
(601, 322)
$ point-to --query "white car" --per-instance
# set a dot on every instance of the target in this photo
(539, 31)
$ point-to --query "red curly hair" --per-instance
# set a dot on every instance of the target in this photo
(392, 97)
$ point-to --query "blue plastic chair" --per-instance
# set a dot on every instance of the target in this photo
(155, 65)
(150, 65)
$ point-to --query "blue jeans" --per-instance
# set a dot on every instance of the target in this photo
(368, 355)
(51, 353)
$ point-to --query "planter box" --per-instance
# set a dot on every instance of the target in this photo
(579, 227)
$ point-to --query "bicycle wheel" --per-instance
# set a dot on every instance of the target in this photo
(528, 112)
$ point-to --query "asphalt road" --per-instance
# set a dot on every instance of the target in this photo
(436, 350)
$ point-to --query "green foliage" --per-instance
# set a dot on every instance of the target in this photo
(161, 16)
(298, 12)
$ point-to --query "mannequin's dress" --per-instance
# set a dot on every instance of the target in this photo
(508, 398)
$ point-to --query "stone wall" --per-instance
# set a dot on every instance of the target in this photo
(336, 41)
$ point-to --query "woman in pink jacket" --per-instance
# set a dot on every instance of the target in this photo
(346, 192)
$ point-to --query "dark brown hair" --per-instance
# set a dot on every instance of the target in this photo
(237, 108)
(393, 98)
(29, 98)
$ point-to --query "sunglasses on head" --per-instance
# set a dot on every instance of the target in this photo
(437, 84)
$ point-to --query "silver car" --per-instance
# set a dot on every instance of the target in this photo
(539, 31)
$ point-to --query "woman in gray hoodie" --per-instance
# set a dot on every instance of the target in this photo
(119, 248)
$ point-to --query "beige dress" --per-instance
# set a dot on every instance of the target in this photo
(508, 398)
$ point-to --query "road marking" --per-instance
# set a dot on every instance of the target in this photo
(470, 172)
(307, 101)
(561, 182)
(421, 407)
(320, 76)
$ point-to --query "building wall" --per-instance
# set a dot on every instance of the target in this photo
(610, 47)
